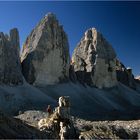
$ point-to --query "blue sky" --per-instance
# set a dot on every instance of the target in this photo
(119, 22)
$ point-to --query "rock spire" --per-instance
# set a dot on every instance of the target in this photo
(10, 68)
(94, 60)
(45, 54)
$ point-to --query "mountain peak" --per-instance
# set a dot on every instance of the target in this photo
(50, 15)
(45, 54)
(10, 68)
(95, 57)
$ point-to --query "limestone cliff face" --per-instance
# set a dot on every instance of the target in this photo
(10, 68)
(45, 54)
(94, 60)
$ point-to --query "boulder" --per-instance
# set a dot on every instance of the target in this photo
(94, 61)
(10, 67)
(45, 54)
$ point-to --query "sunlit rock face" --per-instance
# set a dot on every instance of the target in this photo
(45, 54)
(94, 60)
(10, 68)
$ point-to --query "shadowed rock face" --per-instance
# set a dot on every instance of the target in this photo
(45, 54)
(10, 68)
(125, 75)
(12, 128)
(94, 60)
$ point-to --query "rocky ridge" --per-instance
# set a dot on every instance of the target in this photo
(45, 58)
(45, 61)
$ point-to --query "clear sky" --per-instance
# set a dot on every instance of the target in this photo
(119, 22)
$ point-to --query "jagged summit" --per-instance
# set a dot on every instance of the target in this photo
(45, 54)
(100, 44)
(11, 35)
(49, 19)
(50, 15)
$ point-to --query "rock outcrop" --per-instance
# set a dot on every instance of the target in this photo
(94, 60)
(59, 123)
(10, 68)
(125, 75)
(45, 54)
(12, 128)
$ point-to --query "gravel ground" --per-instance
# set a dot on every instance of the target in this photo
(92, 129)
(108, 129)
(32, 117)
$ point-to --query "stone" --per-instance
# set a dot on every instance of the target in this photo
(10, 66)
(125, 75)
(94, 61)
(45, 55)
(64, 101)
(59, 123)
